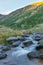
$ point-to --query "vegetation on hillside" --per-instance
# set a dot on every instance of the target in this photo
(7, 32)
(25, 20)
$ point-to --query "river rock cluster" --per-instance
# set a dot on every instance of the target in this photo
(24, 41)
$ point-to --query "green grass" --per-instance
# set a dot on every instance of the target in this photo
(20, 22)
(6, 32)
(37, 28)
(23, 18)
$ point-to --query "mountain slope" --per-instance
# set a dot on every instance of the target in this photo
(2, 16)
(24, 18)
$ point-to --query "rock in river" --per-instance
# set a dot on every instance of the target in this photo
(37, 38)
(41, 42)
(14, 39)
(41, 53)
(25, 35)
(33, 55)
(26, 43)
(5, 48)
(15, 44)
(39, 47)
(2, 55)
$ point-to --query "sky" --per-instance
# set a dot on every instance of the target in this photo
(7, 6)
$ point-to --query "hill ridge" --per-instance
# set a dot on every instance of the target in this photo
(24, 18)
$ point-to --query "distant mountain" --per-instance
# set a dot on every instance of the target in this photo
(24, 18)
(1, 16)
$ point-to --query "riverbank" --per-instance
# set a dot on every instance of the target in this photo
(6, 32)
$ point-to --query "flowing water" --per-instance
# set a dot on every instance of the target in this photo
(18, 55)
(24, 51)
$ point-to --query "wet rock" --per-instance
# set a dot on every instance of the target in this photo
(40, 50)
(36, 34)
(41, 53)
(20, 38)
(26, 38)
(41, 57)
(1, 47)
(36, 54)
(39, 47)
(33, 55)
(41, 35)
(0, 50)
(26, 43)
(12, 39)
(2, 56)
(5, 48)
(41, 42)
(26, 35)
(37, 38)
(15, 44)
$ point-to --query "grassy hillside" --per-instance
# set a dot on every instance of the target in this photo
(24, 18)
(7, 32)
(37, 28)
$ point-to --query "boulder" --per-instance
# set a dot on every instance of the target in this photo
(16, 44)
(36, 54)
(26, 43)
(6, 48)
(1, 47)
(20, 38)
(41, 53)
(12, 39)
(41, 42)
(41, 57)
(33, 55)
(39, 47)
(2, 56)
(41, 34)
(26, 35)
(37, 38)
